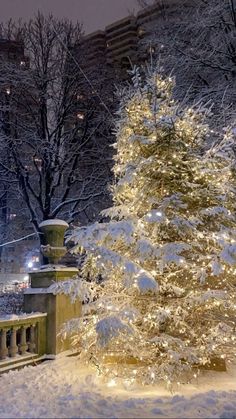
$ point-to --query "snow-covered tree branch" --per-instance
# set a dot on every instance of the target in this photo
(161, 297)
(195, 40)
(54, 138)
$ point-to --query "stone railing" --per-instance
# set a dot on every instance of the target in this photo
(21, 336)
(35, 335)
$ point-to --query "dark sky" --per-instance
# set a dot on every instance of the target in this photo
(95, 14)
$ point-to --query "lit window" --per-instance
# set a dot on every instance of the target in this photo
(12, 216)
(141, 31)
(38, 163)
(80, 115)
(151, 50)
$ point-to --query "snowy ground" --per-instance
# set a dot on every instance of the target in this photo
(65, 389)
(11, 302)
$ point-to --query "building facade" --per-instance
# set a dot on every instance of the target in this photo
(119, 46)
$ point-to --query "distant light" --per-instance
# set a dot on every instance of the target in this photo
(8, 91)
(80, 115)
(26, 278)
(12, 216)
(30, 264)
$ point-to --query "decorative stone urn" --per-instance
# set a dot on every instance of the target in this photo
(52, 240)
(40, 298)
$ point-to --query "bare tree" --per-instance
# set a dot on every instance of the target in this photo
(54, 138)
(196, 41)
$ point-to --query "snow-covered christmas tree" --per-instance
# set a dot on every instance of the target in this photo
(161, 301)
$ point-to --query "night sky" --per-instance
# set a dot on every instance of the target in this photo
(95, 14)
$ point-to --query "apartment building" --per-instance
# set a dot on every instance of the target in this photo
(13, 51)
(121, 44)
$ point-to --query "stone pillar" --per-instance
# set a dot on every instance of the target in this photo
(23, 345)
(13, 346)
(3, 344)
(38, 297)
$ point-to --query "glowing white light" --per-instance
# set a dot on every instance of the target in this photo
(80, 115)
(30, 264)
(111, 383)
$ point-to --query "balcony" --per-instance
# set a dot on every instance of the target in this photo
(120, 27)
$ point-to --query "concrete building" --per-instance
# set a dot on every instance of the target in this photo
(118, 46)
(13, 51)
(93, 47)
(122, 45)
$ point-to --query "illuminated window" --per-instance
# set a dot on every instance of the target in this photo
(151, 49)
(12, 216)
(80, 115)
(38, 163)
(141, 31)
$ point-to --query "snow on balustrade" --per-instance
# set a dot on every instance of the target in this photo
(19, 335)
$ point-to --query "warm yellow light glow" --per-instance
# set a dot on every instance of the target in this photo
(162, 271)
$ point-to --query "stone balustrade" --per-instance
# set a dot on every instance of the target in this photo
(35, 336)
(22, 335)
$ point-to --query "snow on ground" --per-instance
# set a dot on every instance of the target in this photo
(11, 302)
(64, 388)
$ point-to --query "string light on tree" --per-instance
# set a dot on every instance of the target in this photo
(161, 304)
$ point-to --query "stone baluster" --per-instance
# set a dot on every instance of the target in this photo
(3, 344)
(32, 344)
(13, 349)
(22, 345)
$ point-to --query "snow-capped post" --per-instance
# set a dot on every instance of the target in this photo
(40, 297)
